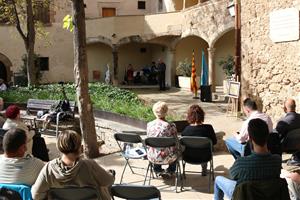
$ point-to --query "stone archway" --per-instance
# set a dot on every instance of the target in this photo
(5, 67)
(184, 49)
(223, 48)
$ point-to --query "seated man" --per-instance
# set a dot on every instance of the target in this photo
(236, 144)
(260, 165)
(290, 121)
(14, 167)
(71, 170)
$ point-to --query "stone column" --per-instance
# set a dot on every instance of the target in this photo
(115, 65)
(211, 67)
(170, 67)
(183, 5)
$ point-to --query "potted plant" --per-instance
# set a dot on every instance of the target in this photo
(184, 71)
(227, 65)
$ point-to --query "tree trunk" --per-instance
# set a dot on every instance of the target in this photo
(85, 108)
(29, 45)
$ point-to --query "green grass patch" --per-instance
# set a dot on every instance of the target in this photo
(104, 97)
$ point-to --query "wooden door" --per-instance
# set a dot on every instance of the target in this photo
(108, 12)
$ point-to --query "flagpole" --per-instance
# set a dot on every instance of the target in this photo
(194, 87)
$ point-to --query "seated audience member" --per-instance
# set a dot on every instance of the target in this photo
(290, 121)
(260, 165)
(195, 118)
(160, 127)
(15, 167)
(236, 144)
(14, 121)
(3, 87)
(71, 170)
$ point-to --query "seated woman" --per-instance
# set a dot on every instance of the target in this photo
(14, 121)
(161, 128)
(195, 118)
(71, 170)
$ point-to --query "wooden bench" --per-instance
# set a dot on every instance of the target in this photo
(35, 105)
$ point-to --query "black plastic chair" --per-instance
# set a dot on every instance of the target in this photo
(74, 193)
(135, 192)
(275, 189)
(8, 194)
(291, 143)
(162, 142)
(129, 139)
(198, 150)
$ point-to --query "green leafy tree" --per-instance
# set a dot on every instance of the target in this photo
(22, 15)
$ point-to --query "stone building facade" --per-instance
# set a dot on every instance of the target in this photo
(170, 31)
(270, 70)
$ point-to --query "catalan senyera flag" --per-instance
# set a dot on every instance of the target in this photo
(194, 87)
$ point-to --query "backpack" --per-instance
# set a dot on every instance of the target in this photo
(62, 106)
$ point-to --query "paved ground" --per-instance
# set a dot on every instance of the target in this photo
(179, 100)
(195, 186)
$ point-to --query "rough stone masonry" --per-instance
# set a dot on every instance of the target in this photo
(270, 71)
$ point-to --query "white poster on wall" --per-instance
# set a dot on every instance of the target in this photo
(284, 25)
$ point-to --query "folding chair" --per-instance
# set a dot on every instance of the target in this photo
(130, 139)
(73, 193)
(197, 150)
(135, 192)
(162, 142)
(274, 189)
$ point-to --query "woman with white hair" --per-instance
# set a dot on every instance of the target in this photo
(161, 128)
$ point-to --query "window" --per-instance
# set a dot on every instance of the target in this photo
(42, 63)
(160, 5)
(141, 5)
(42, 12)
(108, 12)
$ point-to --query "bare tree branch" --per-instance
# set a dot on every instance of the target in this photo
(18, 24)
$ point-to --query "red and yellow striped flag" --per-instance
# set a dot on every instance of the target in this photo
(194, 87)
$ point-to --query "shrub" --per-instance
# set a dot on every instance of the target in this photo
(184, 68)
(104, 97)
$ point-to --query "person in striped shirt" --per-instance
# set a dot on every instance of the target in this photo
(15, 167)
(260, 165)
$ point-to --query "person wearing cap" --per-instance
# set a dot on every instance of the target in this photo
(14, 121)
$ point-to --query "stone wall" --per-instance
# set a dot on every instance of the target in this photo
(270, 71)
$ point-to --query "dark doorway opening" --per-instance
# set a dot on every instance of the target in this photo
(3, 72)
